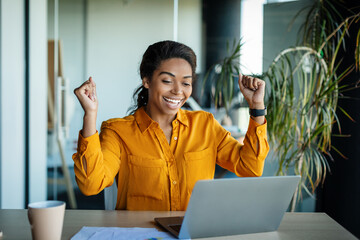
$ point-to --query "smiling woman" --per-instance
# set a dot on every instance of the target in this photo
(159, 151)
(159, 60)
(169, 88)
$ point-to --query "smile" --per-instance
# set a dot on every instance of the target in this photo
(173, 101)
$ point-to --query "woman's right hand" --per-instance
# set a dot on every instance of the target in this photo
(86, 95)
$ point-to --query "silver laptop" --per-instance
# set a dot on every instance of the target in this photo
(233, 206)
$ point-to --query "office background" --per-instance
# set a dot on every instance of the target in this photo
(105, 39)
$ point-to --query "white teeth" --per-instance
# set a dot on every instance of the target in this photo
(172, 100)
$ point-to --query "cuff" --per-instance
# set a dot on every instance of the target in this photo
(257, 136)
(88, 143)
(258, 129)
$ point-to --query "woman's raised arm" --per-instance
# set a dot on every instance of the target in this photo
(86, 95)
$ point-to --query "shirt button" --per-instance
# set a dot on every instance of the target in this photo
(175, 138)
(174, 182)
(176, 122)
(259, 131)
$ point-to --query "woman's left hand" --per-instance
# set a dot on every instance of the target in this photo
(253, 90)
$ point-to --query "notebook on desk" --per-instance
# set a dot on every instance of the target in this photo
(233, 206)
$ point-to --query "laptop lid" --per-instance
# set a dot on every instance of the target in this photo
(237, 206)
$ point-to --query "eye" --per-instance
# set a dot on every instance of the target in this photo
(166, 81)
(186, 84)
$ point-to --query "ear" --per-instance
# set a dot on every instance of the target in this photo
(146, 83)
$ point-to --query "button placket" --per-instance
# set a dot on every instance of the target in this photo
(174, 135)
(171, 165)
(174, 187)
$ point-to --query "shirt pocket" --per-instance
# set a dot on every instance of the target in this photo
(147, 177)
(199, 166)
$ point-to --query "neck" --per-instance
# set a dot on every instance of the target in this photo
(162, 119)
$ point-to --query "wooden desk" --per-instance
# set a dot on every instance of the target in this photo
(14, 224)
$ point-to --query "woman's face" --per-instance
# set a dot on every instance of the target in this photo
(170, 86)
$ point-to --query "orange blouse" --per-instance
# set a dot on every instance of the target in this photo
(152, 174)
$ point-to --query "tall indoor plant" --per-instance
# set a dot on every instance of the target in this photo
(303, 89)
(222, 77)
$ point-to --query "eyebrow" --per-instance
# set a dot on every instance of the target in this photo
(172, 75)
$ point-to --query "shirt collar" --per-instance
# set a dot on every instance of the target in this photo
(144, 121)
(182, 118)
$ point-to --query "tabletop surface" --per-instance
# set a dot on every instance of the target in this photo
(14, 224)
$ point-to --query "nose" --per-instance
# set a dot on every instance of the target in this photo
(177, 89)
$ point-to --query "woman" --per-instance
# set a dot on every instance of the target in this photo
(160, 151)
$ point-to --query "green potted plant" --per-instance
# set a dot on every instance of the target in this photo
(223, 77)
(302, 97)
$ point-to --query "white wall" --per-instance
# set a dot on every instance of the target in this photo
(12, 110)
(117, 36)
(190, 28)
(38, 100)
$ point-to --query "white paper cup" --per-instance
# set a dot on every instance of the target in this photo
(46, 219)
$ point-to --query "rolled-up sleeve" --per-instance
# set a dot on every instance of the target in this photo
(102, 156)
(244, 160)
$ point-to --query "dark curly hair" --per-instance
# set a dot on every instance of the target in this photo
(154, 55)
